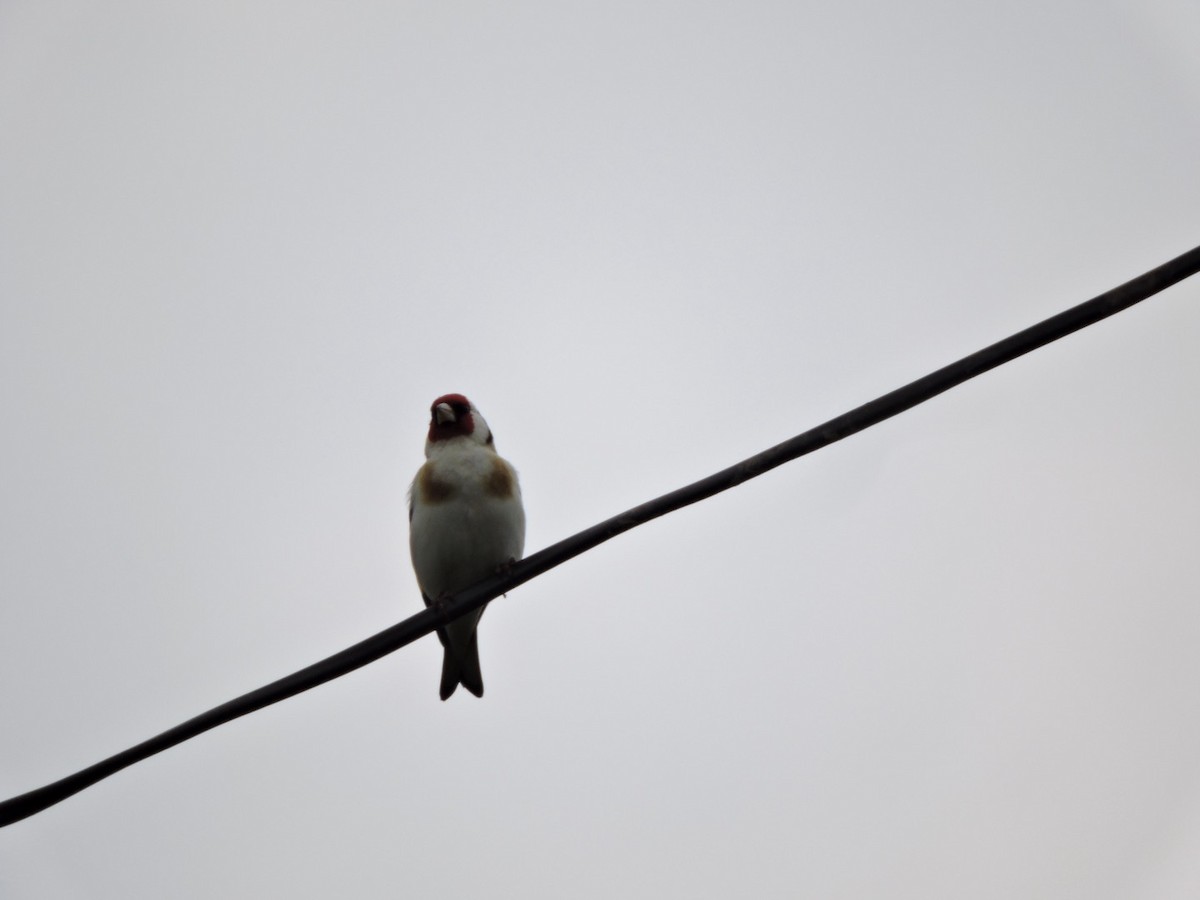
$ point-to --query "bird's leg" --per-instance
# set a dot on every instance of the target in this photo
(505, 567)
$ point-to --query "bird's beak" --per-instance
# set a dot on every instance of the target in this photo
(442, 413)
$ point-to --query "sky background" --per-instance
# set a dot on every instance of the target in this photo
(243, 246)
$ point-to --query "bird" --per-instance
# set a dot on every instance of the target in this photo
(466, 522)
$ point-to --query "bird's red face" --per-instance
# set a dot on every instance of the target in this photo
(450, 416)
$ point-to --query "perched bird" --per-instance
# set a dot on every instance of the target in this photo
(465, 523)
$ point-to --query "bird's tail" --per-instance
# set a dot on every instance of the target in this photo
(460, 665)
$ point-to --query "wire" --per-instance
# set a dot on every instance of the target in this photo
(421, 624)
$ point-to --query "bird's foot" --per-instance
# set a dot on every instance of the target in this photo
(505, 567)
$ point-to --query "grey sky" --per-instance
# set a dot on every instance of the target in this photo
(241, 250)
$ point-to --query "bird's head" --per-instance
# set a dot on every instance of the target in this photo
(454, 416)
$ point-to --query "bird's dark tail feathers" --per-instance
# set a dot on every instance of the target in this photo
(461, 668)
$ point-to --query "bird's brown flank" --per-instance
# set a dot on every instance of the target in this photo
(432, 488)
(501, 481)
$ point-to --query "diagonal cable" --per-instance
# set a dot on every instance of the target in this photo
(421, 624)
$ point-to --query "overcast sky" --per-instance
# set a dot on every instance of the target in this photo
(243, 246)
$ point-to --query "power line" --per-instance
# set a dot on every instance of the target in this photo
(421, 624)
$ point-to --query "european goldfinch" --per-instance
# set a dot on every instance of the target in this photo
(465, 522)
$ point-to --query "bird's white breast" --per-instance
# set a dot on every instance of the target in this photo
(467, 518)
